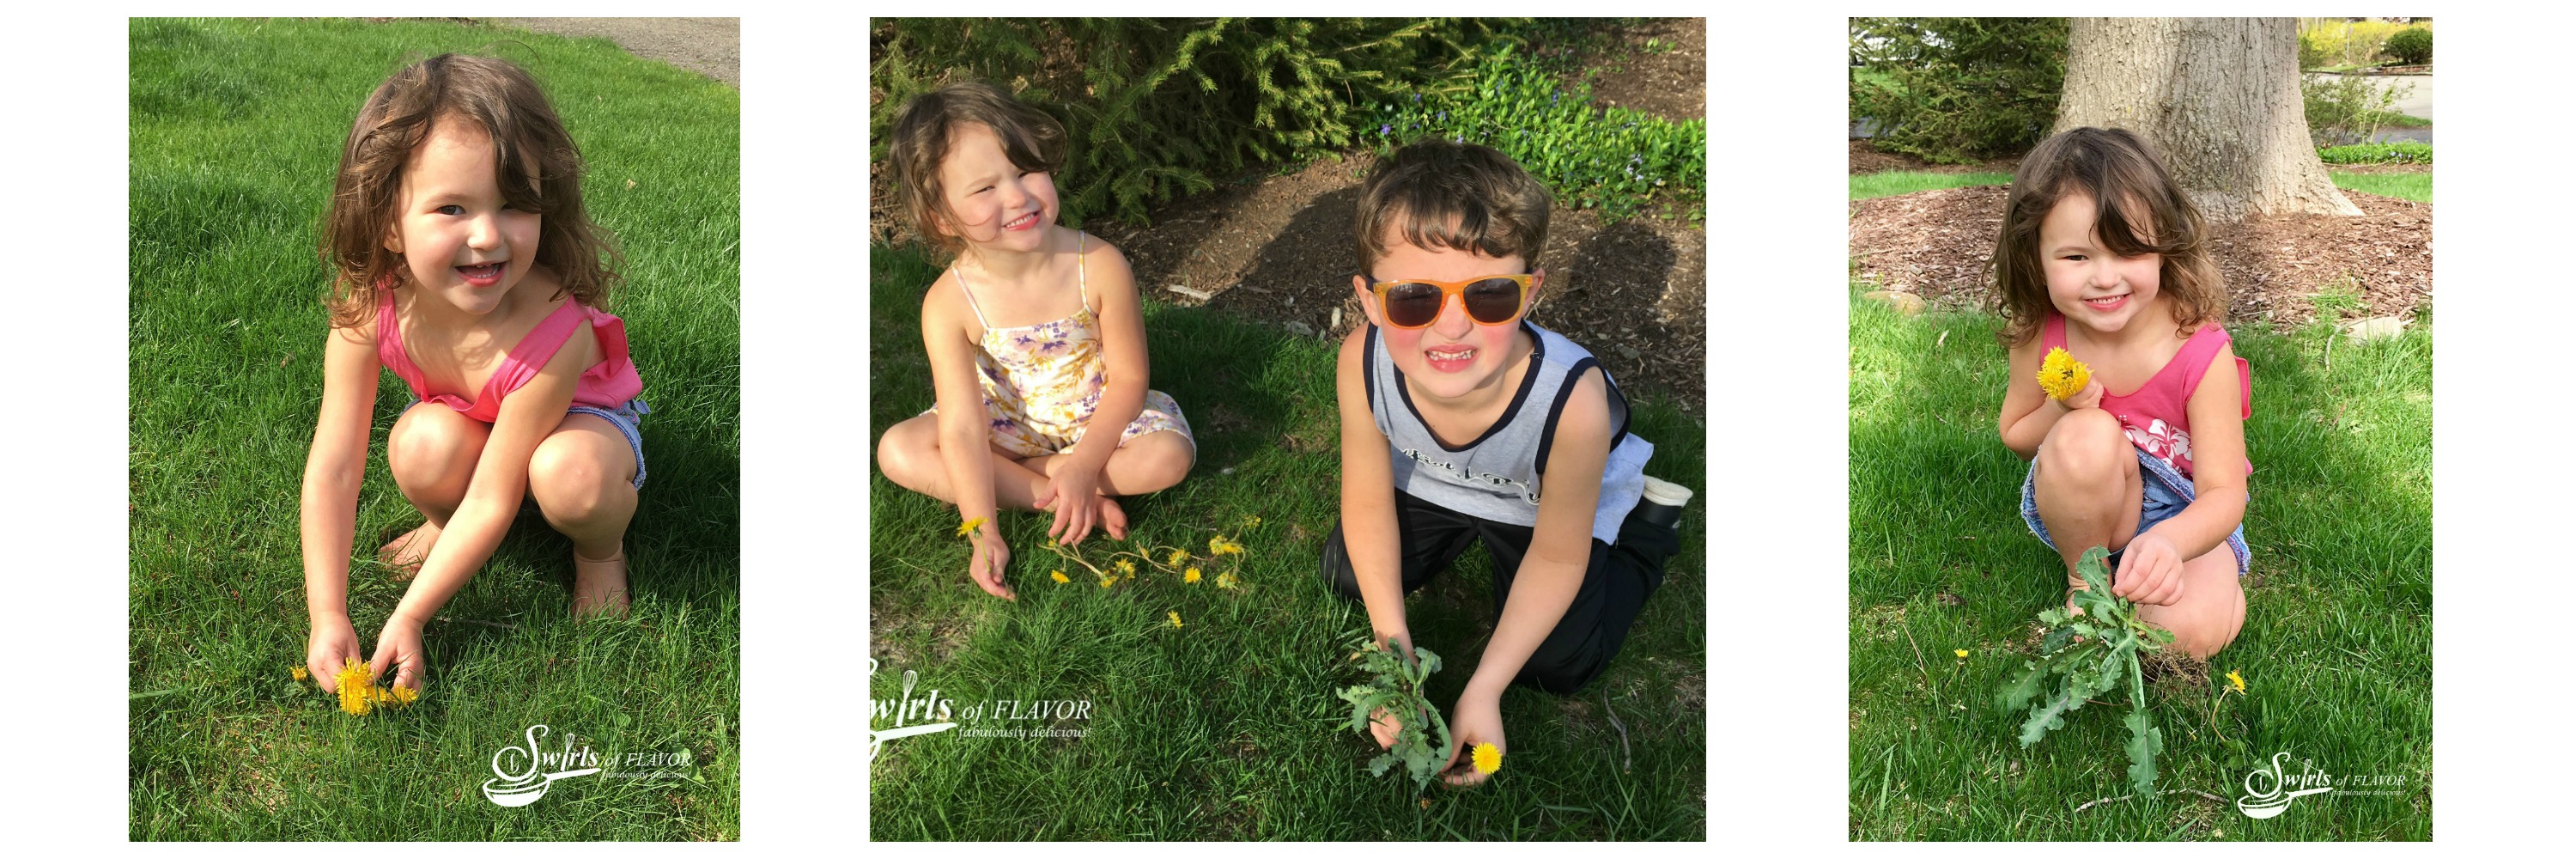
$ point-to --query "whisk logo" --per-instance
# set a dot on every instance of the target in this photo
(903, 710)
(2268, 792)
(525, 773)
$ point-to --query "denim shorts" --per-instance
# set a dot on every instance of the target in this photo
(2162, 494)
(628, 418)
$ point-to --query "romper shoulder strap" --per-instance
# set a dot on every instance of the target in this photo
(1082, 271)
(970, 295)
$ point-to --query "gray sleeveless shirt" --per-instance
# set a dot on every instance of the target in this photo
(1498, 475)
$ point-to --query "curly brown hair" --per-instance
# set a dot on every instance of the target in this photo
(2138, 210)
(509, 107)
(1500, 209)
(918, 141)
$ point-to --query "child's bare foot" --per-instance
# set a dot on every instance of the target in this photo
(1112, 519)
(405, 553)
(599, 587)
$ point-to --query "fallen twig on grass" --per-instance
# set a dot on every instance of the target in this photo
(2202, 794)
(1623, 729)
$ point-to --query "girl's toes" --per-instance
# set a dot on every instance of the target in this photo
(405, 553)
(1112, 519)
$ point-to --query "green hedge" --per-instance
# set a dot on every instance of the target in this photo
(2377, 153)
(1156, 107)
(1957, 90)
(1616, 160)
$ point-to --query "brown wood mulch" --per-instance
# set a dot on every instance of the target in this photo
(1936, 244)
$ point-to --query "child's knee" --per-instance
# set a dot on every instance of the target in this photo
(1162, 458)
(570, 481)
(432, 443)
(2086, 445)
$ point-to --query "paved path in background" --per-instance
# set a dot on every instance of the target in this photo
(708, 46)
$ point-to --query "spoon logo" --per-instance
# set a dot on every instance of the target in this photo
(528, 784)
(2274, 796)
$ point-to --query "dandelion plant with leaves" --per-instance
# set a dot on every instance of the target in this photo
(2088, 654)
(1398, 685)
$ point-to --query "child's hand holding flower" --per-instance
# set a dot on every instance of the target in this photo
(2068, 381)
(1478, 726)
(330, 645)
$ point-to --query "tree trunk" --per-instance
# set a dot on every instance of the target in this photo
(2218, 96)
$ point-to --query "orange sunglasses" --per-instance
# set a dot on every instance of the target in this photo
(1493, 299)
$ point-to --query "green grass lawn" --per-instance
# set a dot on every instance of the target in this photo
(2412, 186)
(236, 129)
(2336, 650)
(1227, 727)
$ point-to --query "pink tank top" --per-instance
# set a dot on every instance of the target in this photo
(607, 384)
(2156, 415)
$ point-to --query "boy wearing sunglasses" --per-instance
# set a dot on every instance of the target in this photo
(1461, 422)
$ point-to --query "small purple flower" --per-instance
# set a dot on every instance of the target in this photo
(1444, 116)
(1417, 98)
(1383, 129)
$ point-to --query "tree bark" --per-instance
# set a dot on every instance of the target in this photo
(2218, 96)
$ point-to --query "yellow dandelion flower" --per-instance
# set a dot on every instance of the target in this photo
(1960, 653)
(404, 695)
(298, 673)
(2061, 375)
(1488, 758)
(969, 526)
(1106, 581)
(1226, 580)
(1176, 557)
(1251, 522)
(1058, 576)
(1126, 566)
(1176, 618)
(1219, 546)
(1190, 575)
(2236, 681)
(356, 687)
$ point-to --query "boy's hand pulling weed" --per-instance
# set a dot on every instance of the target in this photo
(399, 654)
(1383, 726)
(331, 644)
(2150, 571)
(1478, 720)
(1395, 684)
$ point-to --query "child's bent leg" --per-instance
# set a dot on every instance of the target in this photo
(1595, 626)
(583, 477)
(2086, 486)
(2212, 609)
(909, 456)
(431, 451)
(1430, 537)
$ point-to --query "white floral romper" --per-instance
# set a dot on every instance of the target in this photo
(1041, 382)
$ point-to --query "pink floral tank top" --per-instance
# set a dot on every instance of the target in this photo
(2156, 415)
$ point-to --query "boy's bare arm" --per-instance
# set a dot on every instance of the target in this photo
(1560, 548)
(1368, 498)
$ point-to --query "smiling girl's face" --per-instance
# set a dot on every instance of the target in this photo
(460, 240)
(2088, 283)
(992, 203)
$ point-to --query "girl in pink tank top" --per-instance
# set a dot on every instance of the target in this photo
(465, 264)
(2101, 255)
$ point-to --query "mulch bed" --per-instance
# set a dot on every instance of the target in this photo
(1935, 244)
(1672, 84)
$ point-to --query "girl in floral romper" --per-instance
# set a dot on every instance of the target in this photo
(1037, 346)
